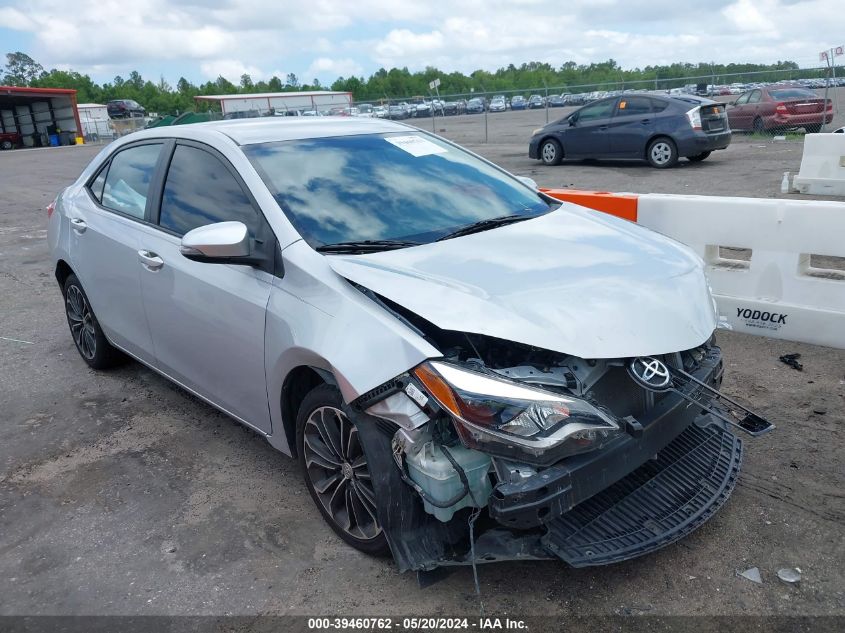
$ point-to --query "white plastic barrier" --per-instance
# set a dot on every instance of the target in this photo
(822, 165)
(776, 292)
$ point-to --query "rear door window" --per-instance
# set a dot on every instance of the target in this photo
(633, 106)
(127, 182)
(201, 190)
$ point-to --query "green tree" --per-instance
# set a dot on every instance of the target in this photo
(21, 69)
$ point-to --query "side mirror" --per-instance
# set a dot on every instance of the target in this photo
(525, 180)
(572, 121)
(220, 243)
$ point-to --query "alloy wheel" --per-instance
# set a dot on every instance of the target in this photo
(338, 472)
(81, 321)
(549, 152)
(661, 153)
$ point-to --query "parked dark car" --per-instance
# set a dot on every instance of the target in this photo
(518, 103)
(656, 129)
(536, 101)
(125, 109)
(779, 108)
(10, 140)
(556, 101)
(454, 107)
(475, 106)
(396, 113)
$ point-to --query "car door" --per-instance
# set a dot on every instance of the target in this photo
(107, 220)
(738, 114)
(751, 109)
(586, 133)
(631, 127)
(207, 320)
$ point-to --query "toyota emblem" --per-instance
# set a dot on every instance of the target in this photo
(650, 373)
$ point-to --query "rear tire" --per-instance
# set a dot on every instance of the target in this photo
(551, 153)
(758, 126)
(662, 153)
(815, 128)
(336, 471)
(7, 145)
(698, 157)
(85, 330)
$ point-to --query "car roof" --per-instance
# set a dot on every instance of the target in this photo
(270, 129)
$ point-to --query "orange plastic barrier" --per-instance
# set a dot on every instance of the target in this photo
(623, 205)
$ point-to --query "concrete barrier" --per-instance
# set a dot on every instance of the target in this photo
(765, 260)
(822, 165)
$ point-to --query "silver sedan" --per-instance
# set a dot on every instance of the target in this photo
(431, 336)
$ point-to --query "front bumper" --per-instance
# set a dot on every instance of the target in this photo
(554, 491)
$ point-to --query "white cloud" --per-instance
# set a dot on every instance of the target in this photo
(326, 66)
(230, 69)
(328, 38)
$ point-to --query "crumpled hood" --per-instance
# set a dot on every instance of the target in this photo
(573, 281)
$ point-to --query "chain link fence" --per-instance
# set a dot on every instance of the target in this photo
(758, 104)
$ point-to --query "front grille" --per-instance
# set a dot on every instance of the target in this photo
(660, 502)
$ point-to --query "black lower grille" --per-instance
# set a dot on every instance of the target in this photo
(657, 504)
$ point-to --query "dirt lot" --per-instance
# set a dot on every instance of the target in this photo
(120, 494)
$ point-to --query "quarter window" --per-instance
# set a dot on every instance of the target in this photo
(200, 190)
(98, 183)
(128, 180)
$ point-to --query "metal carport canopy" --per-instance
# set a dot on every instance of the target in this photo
(31, 110)
(263, 102)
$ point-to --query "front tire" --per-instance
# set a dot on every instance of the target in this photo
(87, 334)
(551, 153)
(698, 157)
(662, 153)
(336, 471)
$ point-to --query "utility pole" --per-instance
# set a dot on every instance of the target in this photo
(484, 105)
(829, 57)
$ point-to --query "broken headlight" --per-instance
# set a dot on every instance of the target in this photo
(506, 418)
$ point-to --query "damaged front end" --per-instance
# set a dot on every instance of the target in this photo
(502, 451)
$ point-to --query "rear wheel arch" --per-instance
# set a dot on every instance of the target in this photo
(299, 382)
(63, 271)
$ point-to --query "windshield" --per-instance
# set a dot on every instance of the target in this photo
(397, 186)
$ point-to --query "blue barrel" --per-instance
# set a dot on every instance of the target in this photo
(54, 140)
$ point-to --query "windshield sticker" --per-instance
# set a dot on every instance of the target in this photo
(415, 145)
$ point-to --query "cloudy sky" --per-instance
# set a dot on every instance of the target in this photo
(324, 39)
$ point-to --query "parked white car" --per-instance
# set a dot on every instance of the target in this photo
(429, 335)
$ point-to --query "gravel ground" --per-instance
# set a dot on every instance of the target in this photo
(121, 494)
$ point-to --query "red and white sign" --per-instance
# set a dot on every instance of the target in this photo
(839, 50)
(823, 56)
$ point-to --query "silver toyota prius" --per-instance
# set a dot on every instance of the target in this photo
(467, 369)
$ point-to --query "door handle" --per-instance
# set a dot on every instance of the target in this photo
(645, 121)
(150, 260)
(78, 225)
(602, 128)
